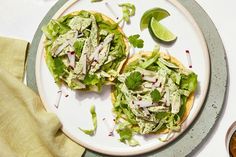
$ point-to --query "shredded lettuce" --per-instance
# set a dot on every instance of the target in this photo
(128, 10)
(168, 64)
(126, 134)
(183, 106)
(54, 29)
(164, 67)
(94, 119)
(130, 115)
(176, 77)
(84, 13)
(189, 82)
(91, 79)
(118, 46)
(151, 60)
(78, 46)
(56, 66)
(131, 66)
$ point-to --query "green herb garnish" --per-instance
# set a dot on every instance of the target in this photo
(156, 96)
(135, 41)
(134, 80)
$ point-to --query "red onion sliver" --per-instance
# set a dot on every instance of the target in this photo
(71, 56)
(157, 84)
(146, 111)
(110, 128)
(189, 58)
(58, 98)
(111, 10)
(64, 90)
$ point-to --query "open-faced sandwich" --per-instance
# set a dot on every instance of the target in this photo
(153, 95)
(84, 50)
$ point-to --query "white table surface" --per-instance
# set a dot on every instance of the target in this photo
(20, 19)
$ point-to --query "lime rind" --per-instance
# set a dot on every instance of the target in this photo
(157, 13)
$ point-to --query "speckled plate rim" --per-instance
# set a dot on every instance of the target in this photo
(218, 82)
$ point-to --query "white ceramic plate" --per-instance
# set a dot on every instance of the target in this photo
(73, 110)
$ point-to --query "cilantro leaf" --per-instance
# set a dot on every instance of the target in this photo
(156, 96)
(134, 80)
(94, 118)
(135, 41)
(128, 10)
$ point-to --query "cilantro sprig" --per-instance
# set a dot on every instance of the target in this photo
(155, 95)
(135, 41)
(134, 80)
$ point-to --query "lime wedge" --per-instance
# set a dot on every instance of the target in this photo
(157, 13)
(158, 31)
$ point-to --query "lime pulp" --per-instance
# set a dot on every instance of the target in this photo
(160, 32)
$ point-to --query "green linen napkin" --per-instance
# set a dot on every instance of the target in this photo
(12, 56)
(26, 129)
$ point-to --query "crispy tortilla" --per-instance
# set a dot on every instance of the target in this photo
(119, 68)
(189, 102)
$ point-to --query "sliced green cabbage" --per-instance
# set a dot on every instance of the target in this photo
(151, 59)
(56, 66)
(126, 134)
(94, 119)
(54, 29)
(78, 46)
(189, 82)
